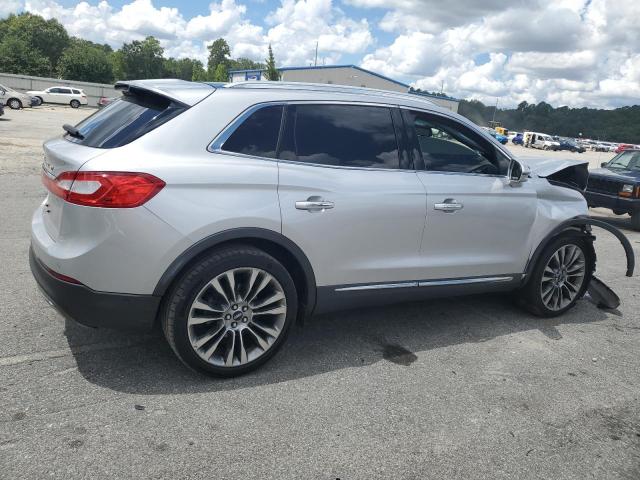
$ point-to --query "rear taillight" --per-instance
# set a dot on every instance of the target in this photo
(104, 189)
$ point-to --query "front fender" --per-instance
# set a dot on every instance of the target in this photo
(584, 223)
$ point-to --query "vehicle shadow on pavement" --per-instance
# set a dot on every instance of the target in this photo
(145, 365)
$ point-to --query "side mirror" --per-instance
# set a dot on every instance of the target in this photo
(519, 173)
(603, 164)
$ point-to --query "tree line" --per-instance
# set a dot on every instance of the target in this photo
(31, 45)
(617, 125)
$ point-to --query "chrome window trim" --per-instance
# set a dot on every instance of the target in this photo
(427, 283)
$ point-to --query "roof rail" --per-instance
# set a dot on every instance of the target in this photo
(323, 87)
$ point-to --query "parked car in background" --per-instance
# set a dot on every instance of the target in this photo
(61, 95)
(499, 137)
(104, 101)
(540, 140)
(616, 185)
(626, 146)
(570, 145)
(517, 139)
(14, 99)
(229, 213)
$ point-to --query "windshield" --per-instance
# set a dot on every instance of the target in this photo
(626, 160)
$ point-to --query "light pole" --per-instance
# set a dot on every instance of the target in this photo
(493, 120)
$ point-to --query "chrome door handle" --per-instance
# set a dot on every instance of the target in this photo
(450, 205)
(314, 204)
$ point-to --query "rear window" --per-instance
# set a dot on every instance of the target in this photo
(77, 92)
(124, 120)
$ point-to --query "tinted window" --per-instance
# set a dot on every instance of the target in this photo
(125, 119)
(344, 135)
(65, 90)
(449, 146)
(77, 92)
(258, 134)
(55, 90)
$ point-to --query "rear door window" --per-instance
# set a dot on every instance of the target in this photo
(258, 134)
(77, 92)
(340, 135)
(65, 90)
(125, 119)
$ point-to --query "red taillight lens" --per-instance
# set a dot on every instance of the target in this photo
(104, 189)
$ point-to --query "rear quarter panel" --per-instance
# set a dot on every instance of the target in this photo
(205, 192)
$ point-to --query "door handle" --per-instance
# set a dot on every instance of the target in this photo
(450, 205)
(314, 204)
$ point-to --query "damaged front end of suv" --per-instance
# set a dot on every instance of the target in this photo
(572, 178)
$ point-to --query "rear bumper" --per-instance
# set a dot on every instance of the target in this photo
(95, 309)
(611, 201)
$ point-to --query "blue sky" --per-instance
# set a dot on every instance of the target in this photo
(565, 52)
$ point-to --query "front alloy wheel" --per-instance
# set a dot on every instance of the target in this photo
(237, 317)
(15, 104)
(562, 277)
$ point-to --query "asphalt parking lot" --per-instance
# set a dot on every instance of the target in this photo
(469, 388)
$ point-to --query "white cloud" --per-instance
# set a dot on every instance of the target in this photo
(569, 52)
(8, 7)
(292, 29)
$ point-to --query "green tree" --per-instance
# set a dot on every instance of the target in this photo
(86, 61)
(16, 56)
(271, 72)
(46, 37)
(219, 53)
(140, 59)
(245, 64)
(221, 74)
(199, 74)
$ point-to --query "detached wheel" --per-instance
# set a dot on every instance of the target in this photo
(560, 277)
(74, 103)
(231, 312)
(14, 104)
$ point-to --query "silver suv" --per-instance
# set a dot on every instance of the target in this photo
(228, 212)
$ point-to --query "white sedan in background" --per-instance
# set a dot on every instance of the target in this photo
(64, 95)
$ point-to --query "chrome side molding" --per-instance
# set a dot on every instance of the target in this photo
(427, 283)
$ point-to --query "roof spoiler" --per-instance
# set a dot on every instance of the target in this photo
(181, 91)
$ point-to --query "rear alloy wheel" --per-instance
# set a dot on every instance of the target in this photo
(231, 312)
(14, 104)
(560, 277)
(38, 101)
(74, 103)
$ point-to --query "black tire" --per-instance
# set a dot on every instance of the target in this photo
(74, 103)
(14, 104)
(635, 220)
(38, 101)
(177, 304)
(530, 296)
